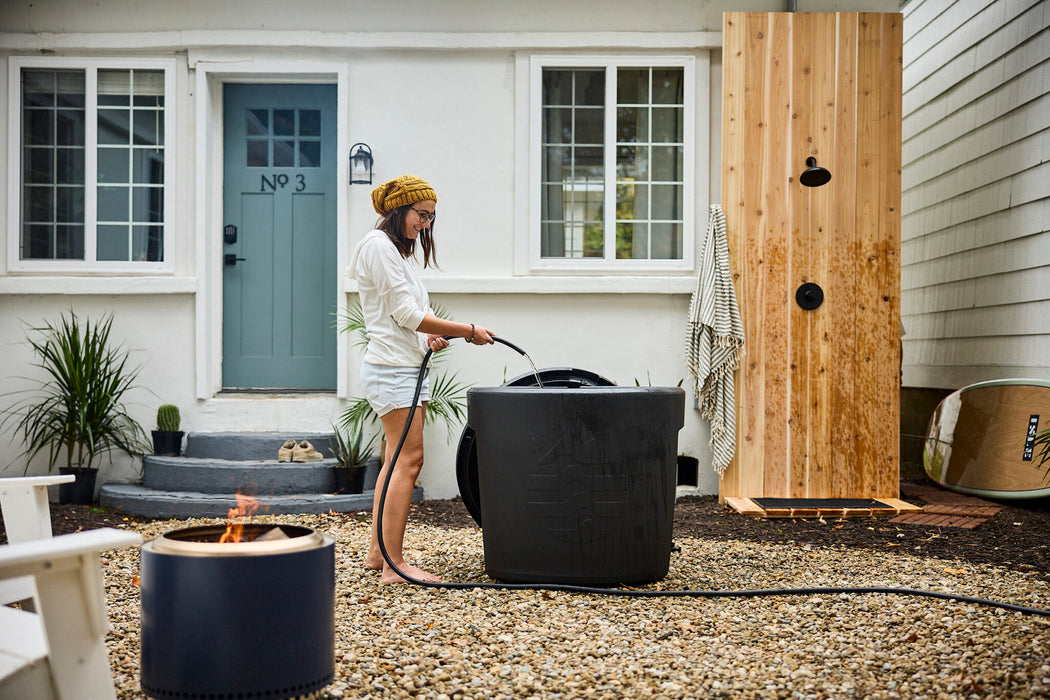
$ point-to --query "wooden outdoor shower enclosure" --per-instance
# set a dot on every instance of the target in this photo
(818, 391)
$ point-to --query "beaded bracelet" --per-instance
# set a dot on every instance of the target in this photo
(471, 338)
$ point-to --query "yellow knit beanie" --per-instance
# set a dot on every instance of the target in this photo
(407, 189)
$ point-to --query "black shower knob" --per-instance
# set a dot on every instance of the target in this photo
(809, 296)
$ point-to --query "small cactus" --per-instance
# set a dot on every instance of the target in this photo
(168, 418)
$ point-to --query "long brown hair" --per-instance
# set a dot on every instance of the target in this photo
(393, 225)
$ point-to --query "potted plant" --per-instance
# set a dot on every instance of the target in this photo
(167, 438)
(353, 453)
(77, 409)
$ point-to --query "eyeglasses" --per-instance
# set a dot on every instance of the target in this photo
(424, 216)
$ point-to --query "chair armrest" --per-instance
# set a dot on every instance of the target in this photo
(50, 480)
(43, 556)
(23, 501)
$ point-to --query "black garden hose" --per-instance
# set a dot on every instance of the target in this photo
(633, 593)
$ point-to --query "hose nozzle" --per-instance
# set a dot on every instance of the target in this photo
(510, 345)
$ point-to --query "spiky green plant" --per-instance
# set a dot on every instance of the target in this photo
(448, 395)
(1042, 444)
(350, 448)
(79, 407)
(168, 418)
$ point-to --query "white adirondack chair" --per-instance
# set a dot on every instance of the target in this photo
(60, 651)
(27, 516)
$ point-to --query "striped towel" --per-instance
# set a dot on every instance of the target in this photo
(716, 341)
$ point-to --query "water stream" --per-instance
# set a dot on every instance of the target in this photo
(534, 371)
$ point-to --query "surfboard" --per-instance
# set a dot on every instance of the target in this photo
(992, 439)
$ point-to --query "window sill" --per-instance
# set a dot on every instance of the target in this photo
(47, 284)
(605, 284)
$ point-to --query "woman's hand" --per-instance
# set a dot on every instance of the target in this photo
(482, 336)
(436, 342)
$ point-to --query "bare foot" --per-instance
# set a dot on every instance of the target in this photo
(390, 576)
(374, 561)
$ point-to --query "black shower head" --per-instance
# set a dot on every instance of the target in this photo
(814, 175)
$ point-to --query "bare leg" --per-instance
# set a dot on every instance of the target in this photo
(398, 497)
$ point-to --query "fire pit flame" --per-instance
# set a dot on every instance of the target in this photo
(246, 506)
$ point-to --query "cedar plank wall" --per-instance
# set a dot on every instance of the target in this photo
(818, 392)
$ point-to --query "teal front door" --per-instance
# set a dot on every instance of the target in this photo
(279, 239)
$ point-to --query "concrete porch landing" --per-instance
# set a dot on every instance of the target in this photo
(217, 466)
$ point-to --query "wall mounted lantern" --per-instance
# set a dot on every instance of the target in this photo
(814, 175)
(361, 164)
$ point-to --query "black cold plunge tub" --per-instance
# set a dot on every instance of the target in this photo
(576, 482)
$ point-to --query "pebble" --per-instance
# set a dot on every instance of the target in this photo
(404, 641)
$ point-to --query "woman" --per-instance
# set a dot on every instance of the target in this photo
(400, 327)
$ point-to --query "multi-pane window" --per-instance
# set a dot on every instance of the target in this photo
(613, 152)
(93, 165)
(130, 165)
(283, 138)
(53, 164)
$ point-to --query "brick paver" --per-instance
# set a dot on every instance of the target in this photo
(964, 522)
(946, 508)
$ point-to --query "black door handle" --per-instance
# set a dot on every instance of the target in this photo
(230, 259)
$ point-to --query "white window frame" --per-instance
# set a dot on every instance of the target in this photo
(91, 66)
(610, 264)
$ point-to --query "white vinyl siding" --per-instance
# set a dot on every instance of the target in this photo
(975, 274)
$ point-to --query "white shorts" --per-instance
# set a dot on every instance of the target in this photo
(388, 388)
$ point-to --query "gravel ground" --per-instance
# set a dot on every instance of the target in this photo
(404, 641)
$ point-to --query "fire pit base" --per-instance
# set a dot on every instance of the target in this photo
(236, 621)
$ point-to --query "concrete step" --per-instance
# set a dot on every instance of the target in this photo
(225, 476)
(152, 503)
(230, 476)
(249, 446)
(217, 466)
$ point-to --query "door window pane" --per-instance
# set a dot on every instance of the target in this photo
(258, 153)
(284, 122)
(310, 122)
(258, 122)
(283, 138)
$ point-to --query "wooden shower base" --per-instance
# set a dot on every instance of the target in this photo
(894, 506)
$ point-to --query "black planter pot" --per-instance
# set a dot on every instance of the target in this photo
(350, 479)
(80, 492)
(167, 443)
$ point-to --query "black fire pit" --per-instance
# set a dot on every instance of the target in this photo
(238, 620)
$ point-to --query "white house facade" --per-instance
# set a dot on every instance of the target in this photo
(185, 167)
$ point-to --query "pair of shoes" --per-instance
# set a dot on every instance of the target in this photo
(292, 451)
